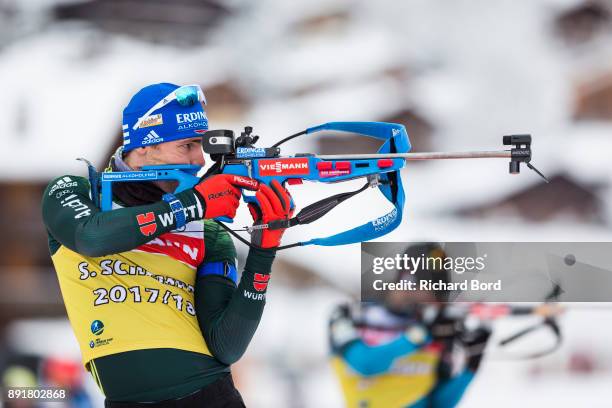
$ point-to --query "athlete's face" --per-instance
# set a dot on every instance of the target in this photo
(184, 151)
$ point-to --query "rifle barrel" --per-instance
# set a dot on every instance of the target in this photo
(420, 156)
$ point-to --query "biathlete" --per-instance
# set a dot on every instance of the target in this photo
(399, 353)
(151, 288)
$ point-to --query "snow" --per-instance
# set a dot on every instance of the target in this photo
(68, 114)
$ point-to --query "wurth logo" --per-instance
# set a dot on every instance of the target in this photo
(260, 282)
(147, 223)
(254, 296)
(283, 167)
(152, 137)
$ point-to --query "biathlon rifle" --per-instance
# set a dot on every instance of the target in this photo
(547, 312)
(489, 312)
(240, 156)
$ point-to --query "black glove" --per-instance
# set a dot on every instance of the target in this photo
(342, 329)
(443, 328)
(475, 342)
(273, 204)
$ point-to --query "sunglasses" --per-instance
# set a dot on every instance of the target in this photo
(187, 95)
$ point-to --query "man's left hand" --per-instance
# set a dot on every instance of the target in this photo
(475, 341)
(273, 204)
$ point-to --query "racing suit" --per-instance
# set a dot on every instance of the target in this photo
(383, 360)
(158, 313)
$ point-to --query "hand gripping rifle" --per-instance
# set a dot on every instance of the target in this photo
(548, 312)
(240, 156)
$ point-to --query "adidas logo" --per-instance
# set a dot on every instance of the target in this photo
(62, 183)
(152, 137)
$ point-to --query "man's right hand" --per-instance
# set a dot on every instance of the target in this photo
(444, 328)
(475, 341)
(220, 194)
